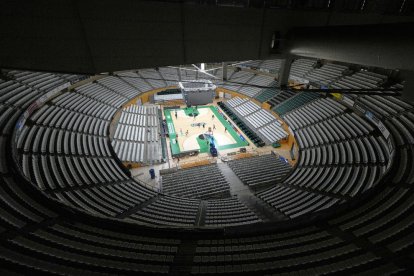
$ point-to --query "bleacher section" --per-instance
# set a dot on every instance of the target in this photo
(382, 221)
(73, 163)
(167, 210)
(326, 74)
(273, 65)
(398, 118)
(280, 97)
(136, 138)
(259, 172)
(247, 108)
(42, 81)
(228, 212)
(294, 102)
(395, 114)
(199, 182)
(249, 89)
(300, 68)
(244, 82)
(329, 141)
(318, 110)
(118, 86)
(267, 93)
(100, 94)
(237, 79)
(241, 76)
(269, 65)
(149, 79)
(360, 80)
(190, 74)
(246, 129)
(294, 202)
(152, 77)
(136, 80)
(170, 75)
(251, 64)
(370, 235)
(24, 87)
(65, 151)
(259, 120)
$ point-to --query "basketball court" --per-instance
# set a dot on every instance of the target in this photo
(193, 129)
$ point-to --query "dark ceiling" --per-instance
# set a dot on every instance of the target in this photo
(96, 36)
(401, 7)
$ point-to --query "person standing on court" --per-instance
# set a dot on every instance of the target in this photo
(214, 126)
(225, 129)
(212, 117)
(176, 114)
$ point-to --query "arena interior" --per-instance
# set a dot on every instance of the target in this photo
(207, 137)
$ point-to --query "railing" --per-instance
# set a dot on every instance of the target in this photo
(171, 102)
(250, 152)
(196, 161)
(145, 184)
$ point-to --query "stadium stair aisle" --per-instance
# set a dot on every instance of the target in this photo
(201, 215)
(236, 185)
(183, 260)
(137, 207)
(146, 139)
(365, 244)
(247, 197)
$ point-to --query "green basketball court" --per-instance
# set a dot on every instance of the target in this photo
(196, 128)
